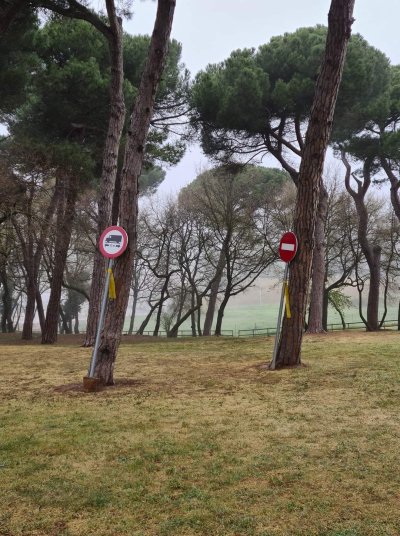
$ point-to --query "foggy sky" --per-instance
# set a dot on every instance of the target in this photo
(210, 30)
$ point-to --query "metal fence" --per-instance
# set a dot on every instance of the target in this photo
(267, 332)
(256, 332)
(183, 333)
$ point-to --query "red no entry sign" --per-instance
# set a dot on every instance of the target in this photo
(113, 242)
(288, 247)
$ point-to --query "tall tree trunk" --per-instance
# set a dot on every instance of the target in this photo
(398, 318)
(133, 161)
(27, 329)
(65, 218)
(212, 302)
(16, 315)
(40, 309)
(63, 325)
(163, 298)
(158, 318)
(133, 310)
(76, 324)
(32, 258)
(193, 314)
(221, 311)
(372, 253)
(173, 332)
(116, 200)
(110, 165)
(6, 317)
(317, 138)
(374, 290)
(325, 305)
(394, 186)
(341, 318)
(182, 299)
(198, 317)
(147, 318)
(315, 320)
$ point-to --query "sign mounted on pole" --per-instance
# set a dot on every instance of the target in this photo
(113, 242)
(287, 251)
(288, 247)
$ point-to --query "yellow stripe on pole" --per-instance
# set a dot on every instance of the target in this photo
(287, 302)
(111, 288)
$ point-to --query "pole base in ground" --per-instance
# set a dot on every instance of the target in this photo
(91, 385)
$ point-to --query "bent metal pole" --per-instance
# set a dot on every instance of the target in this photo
(101, 320)
(278, 326)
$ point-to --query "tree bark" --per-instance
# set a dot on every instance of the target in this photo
(372, 253)
(193, 314)
(63, 322)
(315, 320)
(212, 302)
(133, 161)
(40, 309)
(374, 289)
(394, 187)
(182, 299)
(325, 305)
(163, 298)
(9, 13)
(133, 310)
(6, 318)
(76, 324)
(31, 257)
(220, 316)
(317, 138)
(398, 318)
(198, 318)
(147, 319)
(109, 168)
(65, 218)
(173, 332)
(27, 329)
(17, 309)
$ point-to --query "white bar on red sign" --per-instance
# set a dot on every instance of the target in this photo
(287, 247)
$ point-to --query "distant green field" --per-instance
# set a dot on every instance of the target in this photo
(249, 317)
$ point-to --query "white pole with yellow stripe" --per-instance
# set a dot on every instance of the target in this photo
(284, 294)
(109, 292)
(287, 251)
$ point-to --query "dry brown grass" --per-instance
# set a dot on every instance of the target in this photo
(196, 438)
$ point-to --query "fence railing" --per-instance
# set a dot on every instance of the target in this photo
(256, 332)
(267, 332)
(387, 324)
(183, 333)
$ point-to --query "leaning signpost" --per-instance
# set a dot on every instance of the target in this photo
(113, 242)
(287, 252)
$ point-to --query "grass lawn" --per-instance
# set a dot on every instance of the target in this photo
(196, 439)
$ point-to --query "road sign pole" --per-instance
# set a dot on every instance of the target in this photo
(101, 320)
(278, 326)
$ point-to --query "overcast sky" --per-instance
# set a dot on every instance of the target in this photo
(210, 30)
